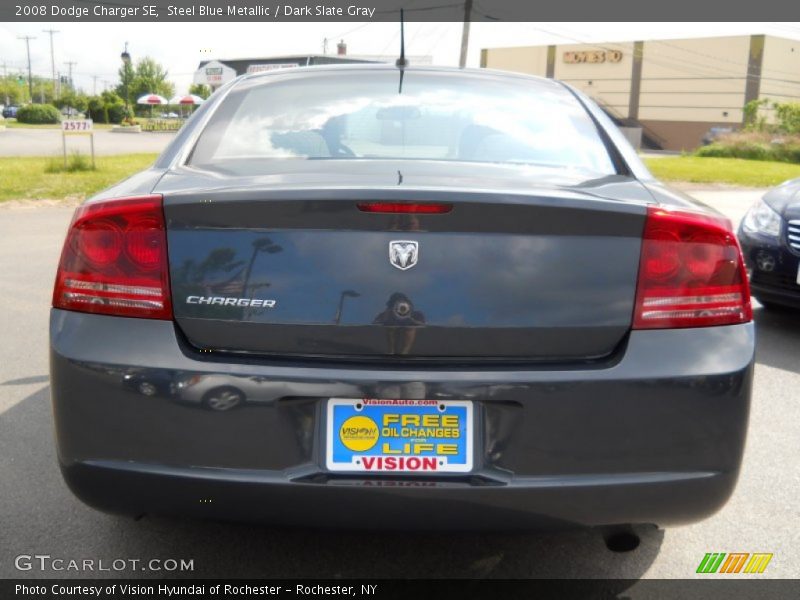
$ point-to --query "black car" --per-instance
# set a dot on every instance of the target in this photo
(714, 133)
(770, 239)
(466, 301)
(10, 112)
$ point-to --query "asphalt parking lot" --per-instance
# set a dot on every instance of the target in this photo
(47, 142)
(40, 516)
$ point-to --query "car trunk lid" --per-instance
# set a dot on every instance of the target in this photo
(284, 267)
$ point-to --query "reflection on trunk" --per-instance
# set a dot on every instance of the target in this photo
(401, 318)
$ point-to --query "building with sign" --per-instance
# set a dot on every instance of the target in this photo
(215, 73)
(674, 90)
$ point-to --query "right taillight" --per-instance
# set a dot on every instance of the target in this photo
(114, 260)
(691, 273)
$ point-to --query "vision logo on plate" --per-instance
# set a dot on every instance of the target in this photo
(372, 435)
(359, 433)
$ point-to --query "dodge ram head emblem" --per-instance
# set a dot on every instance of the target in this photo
(403, 254)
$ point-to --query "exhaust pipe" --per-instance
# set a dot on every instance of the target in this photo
(621, 540)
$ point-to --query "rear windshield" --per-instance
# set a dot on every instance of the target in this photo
(350, 115)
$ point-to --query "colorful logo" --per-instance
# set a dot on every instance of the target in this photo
(359, 433)
(734, 562)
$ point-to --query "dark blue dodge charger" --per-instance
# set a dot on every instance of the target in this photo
(401, 297)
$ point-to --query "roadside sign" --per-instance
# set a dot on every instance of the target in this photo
(214, 74)
(77, 127)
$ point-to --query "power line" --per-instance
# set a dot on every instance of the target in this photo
(436, 37)
(676, 63)
(348, 32)
(389, 43)
(718, 58)
(701, 71)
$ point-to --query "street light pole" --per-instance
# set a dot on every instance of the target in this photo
(28, 39)
(126, 61)
(345, 294)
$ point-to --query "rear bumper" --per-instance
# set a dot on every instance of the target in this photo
(657, 437)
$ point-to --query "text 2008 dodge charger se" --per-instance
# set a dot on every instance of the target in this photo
(372, 295)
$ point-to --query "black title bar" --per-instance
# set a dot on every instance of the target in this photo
(710, 588)
(389, 10)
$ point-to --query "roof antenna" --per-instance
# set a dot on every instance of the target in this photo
(402, 62)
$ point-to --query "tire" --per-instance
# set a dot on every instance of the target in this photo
(223, 399)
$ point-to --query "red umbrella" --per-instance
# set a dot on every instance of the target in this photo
(152, 99)
(187, 99)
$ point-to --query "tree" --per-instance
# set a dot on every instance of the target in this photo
(149, 77)
(200, 89)
(14, 89)
(11, 92)
(72, 99)
(126, 74)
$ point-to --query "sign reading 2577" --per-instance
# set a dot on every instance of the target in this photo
(77, 126)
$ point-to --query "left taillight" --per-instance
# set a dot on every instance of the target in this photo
(114, 260)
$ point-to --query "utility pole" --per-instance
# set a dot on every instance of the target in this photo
(53, 61)
(28, 39)
(94, 85)
(70, 64)
(465, 33)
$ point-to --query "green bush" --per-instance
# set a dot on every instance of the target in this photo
(754, 146)
(107, 108)
(97, 110)
(788, 116)
(36, 114)
(753, 120)
(117, 113)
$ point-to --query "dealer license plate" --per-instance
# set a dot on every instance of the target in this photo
(399, 436)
